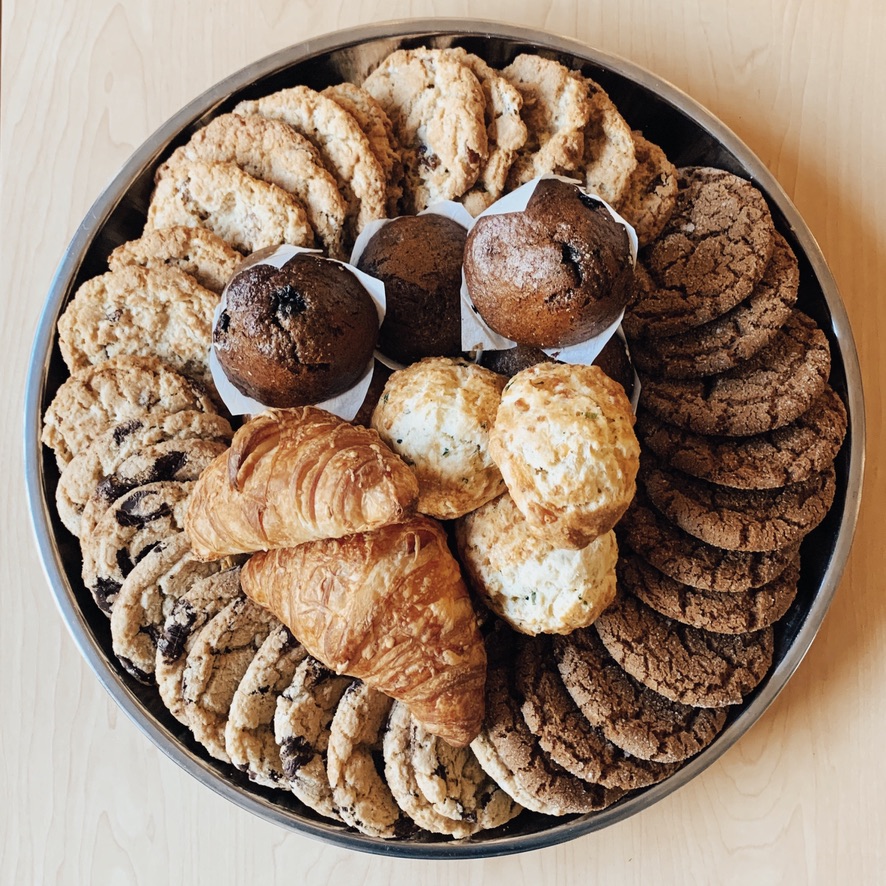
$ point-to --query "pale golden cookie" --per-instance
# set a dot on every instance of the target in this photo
(346, 151)
(274, 152)
(437, 108)
(246, 212)
(556, 111)
(160, 312)
(196, 251)
(535, 587)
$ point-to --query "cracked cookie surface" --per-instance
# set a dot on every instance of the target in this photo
(685, 664)
(734, 613)
(633, 717)
(708, 258)
(770, 390)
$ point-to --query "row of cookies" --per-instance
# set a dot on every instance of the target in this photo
(252, 697)
(740, 431)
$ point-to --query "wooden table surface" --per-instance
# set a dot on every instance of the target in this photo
(87, 799)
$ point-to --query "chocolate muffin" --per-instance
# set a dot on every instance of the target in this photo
(613, 360)
(418, 258)
(296, 335)
(553, 275)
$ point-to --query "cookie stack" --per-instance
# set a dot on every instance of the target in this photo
(737, 425)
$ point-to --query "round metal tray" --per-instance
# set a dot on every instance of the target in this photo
(690, 135)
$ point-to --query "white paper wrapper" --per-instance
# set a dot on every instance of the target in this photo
(477, 336)
(345, 405)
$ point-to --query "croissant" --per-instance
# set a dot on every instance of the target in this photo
(296, 475)
(390, 608)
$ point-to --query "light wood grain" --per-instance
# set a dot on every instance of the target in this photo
(87, 799)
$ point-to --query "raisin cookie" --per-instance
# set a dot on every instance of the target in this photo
(344, 148)
(99, 397)
(437, 107)
(274, 152)
(246, 212)
(196, 251)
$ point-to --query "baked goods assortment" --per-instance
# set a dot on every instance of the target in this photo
(604, 590)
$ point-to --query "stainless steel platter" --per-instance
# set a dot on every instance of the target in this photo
(690, 135)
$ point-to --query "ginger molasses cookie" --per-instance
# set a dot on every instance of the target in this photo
(400, 775)
(200, 603)
(81, 477)
(196, 251)
(301, 728)
(710, 255)
(437, 107)
(609, 159)
(249, 731)
(685, 664)
(529, 775)
(345, 149)
(128, 531)
(146, 599)
(790, 454)
(556, 111)
(736, 613)
(636, 719)
(377, 127)
(693, 562)
(567, 735)
(766, 392)
(455, 784)
(121, 389)
(360, 792)
(505, 130)
(651, 192)
(734, 337)
(740, 519)
(274, 152)
(216, 663)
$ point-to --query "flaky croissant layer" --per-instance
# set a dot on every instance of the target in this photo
(297, 475)
(390, 608)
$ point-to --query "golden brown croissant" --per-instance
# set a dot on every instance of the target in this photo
(297, 475)
(390, 608)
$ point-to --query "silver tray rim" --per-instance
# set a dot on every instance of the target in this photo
(39, 506)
